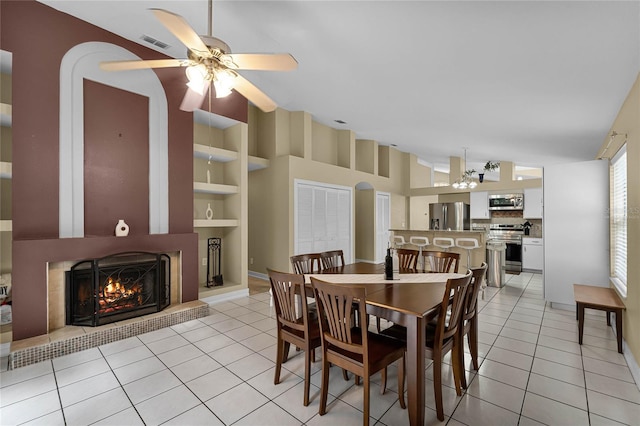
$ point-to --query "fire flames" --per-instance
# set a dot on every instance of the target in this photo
(116, 295)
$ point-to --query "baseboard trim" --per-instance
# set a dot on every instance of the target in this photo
(632, 363)
(563, 306)
(259, 275)
(628, 356)
(219, 298)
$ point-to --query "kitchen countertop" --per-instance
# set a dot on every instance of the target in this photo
(468, 231)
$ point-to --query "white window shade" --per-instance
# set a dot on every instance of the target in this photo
(619, 220)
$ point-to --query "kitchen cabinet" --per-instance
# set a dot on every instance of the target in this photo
(532, 254)
(479, 205)
(533, 206)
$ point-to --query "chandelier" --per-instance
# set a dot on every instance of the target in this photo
(466, 180)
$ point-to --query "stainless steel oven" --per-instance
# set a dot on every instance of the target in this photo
(511, 235)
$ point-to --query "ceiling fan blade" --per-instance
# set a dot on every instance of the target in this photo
(137, 64)
(255, 95)
(193, 100)
(265, 62)
(183, 31)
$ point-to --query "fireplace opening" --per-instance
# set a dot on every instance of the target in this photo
(117, 287)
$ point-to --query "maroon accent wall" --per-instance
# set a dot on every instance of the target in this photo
(116, 160)
(38, 37)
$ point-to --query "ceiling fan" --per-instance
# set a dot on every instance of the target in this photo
(210, 62)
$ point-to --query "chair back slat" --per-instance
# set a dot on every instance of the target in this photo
(332, 259)
(452, 306)
(305, 263)
(472, 293)
(285, 287)
(407, 258)
(335, 304)
(441, 261)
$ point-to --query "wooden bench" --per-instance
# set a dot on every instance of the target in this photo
(601, 298)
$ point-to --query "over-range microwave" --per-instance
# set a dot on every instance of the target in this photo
(506, 202)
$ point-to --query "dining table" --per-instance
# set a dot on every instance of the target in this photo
(409, 301)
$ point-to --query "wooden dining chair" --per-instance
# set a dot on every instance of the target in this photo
(305, 263)
(407, 259)
(441, 261)
(294, 326)
(352, 348)
(332, 259)
(469, 319)
(443, 336)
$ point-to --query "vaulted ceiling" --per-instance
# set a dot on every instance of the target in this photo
(537, 82)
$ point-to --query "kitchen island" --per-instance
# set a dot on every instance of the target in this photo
(477, 255)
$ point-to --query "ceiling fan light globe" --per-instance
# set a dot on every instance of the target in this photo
(196, 73)
(221, 90)
(197, 86)
(224, 81)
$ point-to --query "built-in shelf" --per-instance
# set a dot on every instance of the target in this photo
(217, 154)
(214, 188)
(215, 223)
(257, 163)
(5, 226)
(5, 170)
(5, 114)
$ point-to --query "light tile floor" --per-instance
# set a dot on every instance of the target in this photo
(219, 371)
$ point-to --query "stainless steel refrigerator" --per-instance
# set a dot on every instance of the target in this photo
(449, 216)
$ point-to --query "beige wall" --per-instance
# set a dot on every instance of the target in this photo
(325, 143)
(366, 157)
(271, 190)
(628, 121)
(419, 211)
(420, 176)
(269, 217)
(365, 223)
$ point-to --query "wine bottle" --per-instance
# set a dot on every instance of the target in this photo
(388, 265)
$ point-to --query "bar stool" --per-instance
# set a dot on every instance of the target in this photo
(443, 243)
(419, 242)
(467, 244)
(399, 241)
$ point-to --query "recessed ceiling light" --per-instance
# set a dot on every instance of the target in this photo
(340, 121)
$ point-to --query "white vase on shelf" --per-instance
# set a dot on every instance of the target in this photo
(122, 229)
(209, 212)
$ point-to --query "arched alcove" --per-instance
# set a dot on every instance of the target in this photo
(80, 63)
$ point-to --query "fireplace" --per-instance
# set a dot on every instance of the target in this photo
(117, 287)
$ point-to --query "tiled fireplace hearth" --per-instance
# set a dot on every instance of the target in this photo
(72, 339)
(40, 325)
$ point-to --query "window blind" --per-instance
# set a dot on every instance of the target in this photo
(619, 216)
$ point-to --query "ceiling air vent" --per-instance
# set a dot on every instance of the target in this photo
(154, 41)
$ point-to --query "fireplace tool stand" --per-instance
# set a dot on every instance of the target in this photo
(214, 265)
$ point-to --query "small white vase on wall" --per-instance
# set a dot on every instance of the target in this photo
(122, 229)
(209, 212)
